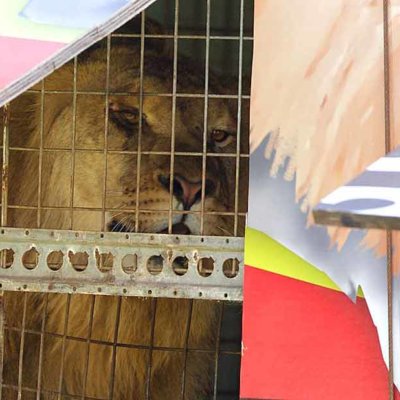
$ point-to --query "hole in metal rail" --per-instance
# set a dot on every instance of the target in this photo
(6, 258)
(30, 259)
(104, 261)
(79, 261)
(129, 263)
(155, 264)
(230, 267)
(205, 266)
(55, 260)
(180, 265)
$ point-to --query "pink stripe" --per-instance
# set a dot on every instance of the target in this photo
(19, 56)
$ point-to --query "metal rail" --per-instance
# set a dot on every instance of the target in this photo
(137, 264)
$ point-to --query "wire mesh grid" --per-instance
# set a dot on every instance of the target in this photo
(37, 153)
(63, 345)
(201, 368)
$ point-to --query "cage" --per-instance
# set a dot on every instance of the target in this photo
(124, 195)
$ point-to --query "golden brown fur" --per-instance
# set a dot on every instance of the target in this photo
(172, 316)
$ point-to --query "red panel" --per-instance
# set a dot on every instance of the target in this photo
(306, 342)
(19, 56)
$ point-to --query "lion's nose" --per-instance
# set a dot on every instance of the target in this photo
(186, 191)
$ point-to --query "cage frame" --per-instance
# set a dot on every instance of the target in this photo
(141, 282)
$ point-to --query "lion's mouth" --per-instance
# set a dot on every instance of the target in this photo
(179, 228)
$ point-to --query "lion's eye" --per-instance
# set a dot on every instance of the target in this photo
(124, 116)
(130, 115)
(221, 137)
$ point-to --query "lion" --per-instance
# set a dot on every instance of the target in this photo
(89, 124)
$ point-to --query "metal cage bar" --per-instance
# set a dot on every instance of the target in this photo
(239, 118)
(185, 349)
(40, 364)
(4, 175)
(21, 349)
(88, 342)
(217, 350)
(74, 101)
(4, 204)
(140, 128)
(64, 341)
(205, 120)
(114, 349)
(388, 148)
(106, 122)
(151, 346)
(39, 205)
(174, 89)
(119, 93)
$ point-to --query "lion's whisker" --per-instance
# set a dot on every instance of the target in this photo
(227, 233)
(121, 222)
(118, 214)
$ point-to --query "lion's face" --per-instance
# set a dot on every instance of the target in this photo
(135, 172)
(160, 134)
